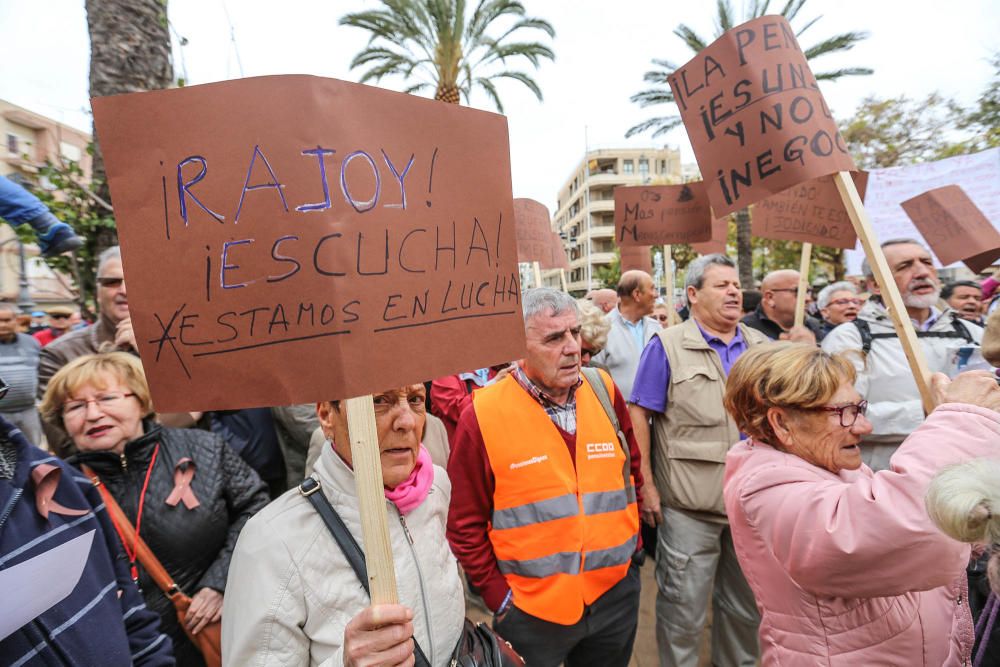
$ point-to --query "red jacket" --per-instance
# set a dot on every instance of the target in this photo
(450, 395)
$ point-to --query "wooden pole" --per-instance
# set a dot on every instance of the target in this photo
(562, 279)
(890, 293)
(668, 281)
(538, 274)
(800, 299)
(367, 464)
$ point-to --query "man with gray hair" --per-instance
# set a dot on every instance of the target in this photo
(631, 328)
(679, 386)
(838, 303)
(544, 471)
(19, 369)
(113, 328)
(884, 378)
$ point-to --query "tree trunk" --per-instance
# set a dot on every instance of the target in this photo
(129, 52)
(744, 248)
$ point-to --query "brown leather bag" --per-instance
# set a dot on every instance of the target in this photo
(209, 640)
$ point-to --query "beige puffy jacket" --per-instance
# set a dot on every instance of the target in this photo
(291, 592)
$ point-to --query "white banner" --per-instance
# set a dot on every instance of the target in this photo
(978, 174)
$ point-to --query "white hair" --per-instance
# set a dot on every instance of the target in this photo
(826, 294)
(963, 500)
(546, 300)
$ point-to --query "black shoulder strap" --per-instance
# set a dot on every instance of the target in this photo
(959, 331)
(355, 556)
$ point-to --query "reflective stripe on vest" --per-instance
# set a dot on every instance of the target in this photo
(563, 532)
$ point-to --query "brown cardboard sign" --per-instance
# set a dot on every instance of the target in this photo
(954, 227)
(662, 214)
(637, 257)
(534, 231)
(810, 212)
(720, 234)
(757, 121)
(290, 239)
(558, 258)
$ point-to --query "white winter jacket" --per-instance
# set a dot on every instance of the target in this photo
(885, 379)
(291, 592)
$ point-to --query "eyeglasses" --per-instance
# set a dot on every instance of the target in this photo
(663, 317)
(103, 401)
(589, 352)
(846, 302)
(848, 413)
(110, 282)
(794, 290)
(58, 316)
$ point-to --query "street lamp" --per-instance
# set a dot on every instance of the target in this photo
(24, 301)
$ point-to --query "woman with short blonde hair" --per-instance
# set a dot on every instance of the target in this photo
(95, 369)
(845, 565)
(594, 330)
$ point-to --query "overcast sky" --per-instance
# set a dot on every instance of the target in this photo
(602, 50)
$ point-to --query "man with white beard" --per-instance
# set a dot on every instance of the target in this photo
(884, 377)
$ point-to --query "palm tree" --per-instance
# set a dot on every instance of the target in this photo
(660, 92)
(432, 43)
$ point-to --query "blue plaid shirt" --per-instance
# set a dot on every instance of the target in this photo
(563, 416)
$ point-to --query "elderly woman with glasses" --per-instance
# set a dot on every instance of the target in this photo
(186, 493)
(845, 565)
(838, 303)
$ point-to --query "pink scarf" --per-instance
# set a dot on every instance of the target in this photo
(412, 491)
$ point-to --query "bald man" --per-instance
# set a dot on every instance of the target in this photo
(775, 314)
(606, 299)
(631, 329)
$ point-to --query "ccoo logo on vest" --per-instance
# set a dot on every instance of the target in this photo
(601, 450)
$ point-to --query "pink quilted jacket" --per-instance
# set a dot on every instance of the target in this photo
(846, 568)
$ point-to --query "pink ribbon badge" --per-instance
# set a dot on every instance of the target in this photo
(183, 474)
(46, 478)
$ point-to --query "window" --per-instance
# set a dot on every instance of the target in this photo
(12, 144)
(628, 167)
(69, 151)
(643, 167)
(663, 166)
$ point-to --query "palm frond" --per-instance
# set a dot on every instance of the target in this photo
(491, 92)
(523, 78)
(791, 9)
(645, 98)
(416, 88)
(690, 37)
(662, 125)
(724, 16)
(847, 71)
(842, 42)
(808, 25)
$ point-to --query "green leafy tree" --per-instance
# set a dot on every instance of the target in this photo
(436, 44)
(659, 92)
(984, 118)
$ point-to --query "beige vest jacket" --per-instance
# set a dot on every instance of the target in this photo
(691, 439)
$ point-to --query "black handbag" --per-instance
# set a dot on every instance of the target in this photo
(479, 645)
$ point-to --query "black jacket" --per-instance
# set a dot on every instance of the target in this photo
(194, 545)
(762, 323)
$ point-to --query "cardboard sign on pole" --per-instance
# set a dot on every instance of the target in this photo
(954, 227)
(668, 274)
(637, 257)
(534, 231)
(809, 212)
(759, 125)
(755, 116)
(277, 231)
(803, 286)
(720, 234)
(662, 214)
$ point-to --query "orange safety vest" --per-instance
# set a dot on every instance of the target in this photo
(563, 535)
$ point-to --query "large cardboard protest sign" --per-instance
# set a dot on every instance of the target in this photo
(810, 212)
(638, 257)
(717, 244)
(755, 116)
(978, 175)
(955, 229)
(289, 239)
(534, 231)
(662, 214)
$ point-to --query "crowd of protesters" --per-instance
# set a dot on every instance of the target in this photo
(775, 473)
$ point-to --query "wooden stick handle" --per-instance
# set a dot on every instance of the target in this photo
(890, 293)
(367, 463)
(538, 274)
(562, 278)
(800, 299)
(668, 275)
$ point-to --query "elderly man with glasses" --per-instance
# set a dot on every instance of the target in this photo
(113, 327)
(775, 315)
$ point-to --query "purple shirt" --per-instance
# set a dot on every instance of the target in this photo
(653, 376)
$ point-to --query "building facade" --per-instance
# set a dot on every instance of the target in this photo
(29, 140)
(585, 208)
